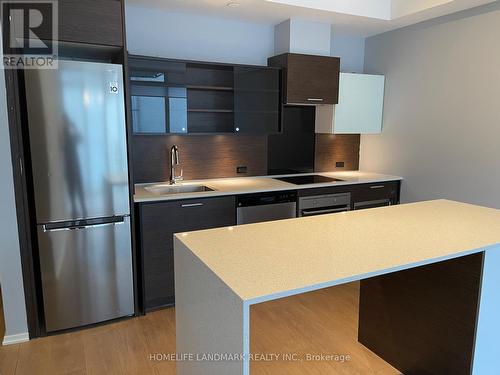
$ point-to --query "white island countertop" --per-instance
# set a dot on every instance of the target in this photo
(220, 273)
(265, 261)
(249, 185)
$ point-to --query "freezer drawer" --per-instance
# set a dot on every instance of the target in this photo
(86, 274)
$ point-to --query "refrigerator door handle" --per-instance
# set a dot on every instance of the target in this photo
(82, 224)
(45, 228)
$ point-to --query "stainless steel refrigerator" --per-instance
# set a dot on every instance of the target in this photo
(77, 135)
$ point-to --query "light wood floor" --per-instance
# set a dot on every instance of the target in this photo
(320, 322)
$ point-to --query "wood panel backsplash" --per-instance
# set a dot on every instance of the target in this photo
(217, 156)
(333, 148)
(201, 156)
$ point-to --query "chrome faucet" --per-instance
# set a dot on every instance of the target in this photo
(174, 162)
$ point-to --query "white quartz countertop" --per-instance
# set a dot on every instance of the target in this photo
(279, 258)
(248, 185)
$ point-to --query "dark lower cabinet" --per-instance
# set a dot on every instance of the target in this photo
(158, 223)
(375, 195)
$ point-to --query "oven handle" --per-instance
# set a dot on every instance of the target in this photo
(325, 211)
(372, 204)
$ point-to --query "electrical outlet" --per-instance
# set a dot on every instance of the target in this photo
(242, 169)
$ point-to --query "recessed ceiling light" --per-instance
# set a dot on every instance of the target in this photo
(233, 4)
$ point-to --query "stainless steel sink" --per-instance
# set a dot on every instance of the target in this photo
(162, 189)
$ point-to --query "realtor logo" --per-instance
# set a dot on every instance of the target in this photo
(29, 34)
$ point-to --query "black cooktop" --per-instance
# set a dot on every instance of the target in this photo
(304, 180)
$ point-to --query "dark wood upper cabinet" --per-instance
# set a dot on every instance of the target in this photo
(80, 23)
(257, 106)
(91, 21)
(189, 97)
(95, 22)
(308, 79)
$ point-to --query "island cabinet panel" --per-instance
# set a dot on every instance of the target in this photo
(159, 221)
(308, 79)
(423, 320)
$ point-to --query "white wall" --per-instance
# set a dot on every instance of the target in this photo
(372, 8)
(154, 32)
(401, 8)
(441, 128)
(194, 37)
(350, 49)
(309, 37)
(11, 280)
(302, 36)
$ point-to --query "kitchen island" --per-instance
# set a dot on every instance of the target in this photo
(220, 273)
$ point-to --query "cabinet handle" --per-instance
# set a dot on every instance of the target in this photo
(315, 99)
(377, 187)
(191, 205)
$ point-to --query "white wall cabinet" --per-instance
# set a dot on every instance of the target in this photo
(360, 107)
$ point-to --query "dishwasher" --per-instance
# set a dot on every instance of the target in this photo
(256, 208)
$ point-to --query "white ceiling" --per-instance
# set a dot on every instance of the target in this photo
(356, 17)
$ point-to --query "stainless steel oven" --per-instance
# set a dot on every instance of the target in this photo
(324, 204)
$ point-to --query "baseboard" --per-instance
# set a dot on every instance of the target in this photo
(15, 339)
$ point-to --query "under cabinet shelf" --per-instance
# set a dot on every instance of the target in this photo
(215, 88)
(211, 110)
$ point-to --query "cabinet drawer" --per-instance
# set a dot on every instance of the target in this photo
(198, 214)
(376, 191)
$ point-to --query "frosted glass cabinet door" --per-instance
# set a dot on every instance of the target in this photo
(361, 103)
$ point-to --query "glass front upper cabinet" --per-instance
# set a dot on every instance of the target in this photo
(256, 100)
(174, 97)
(158, 96)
